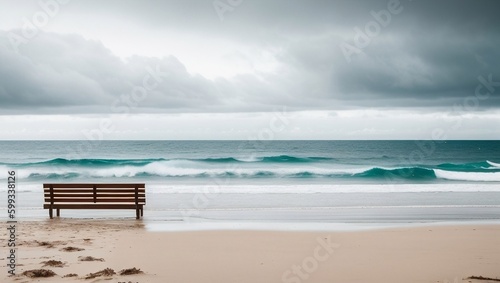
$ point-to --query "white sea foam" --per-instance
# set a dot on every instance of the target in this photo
(193, 169)
(493, 164)
(181, 168)
(468, 176)
(320, 188)
(249, 159)
(159, 187)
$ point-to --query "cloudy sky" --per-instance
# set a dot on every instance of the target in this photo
(239, 69)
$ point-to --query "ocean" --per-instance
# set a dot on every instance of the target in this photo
(373, 181)
(275, 161)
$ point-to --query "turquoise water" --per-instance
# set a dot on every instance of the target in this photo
(278, 181)
(378, 162)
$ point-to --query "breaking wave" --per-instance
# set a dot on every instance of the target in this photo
(282, 166)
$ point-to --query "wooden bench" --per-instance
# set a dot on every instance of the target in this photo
(95, 196)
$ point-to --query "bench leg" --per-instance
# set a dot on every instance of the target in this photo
(142, 212)
(137, 214)
(50, 213)
(58, 213)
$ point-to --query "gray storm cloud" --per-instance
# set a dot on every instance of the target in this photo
(430, 54)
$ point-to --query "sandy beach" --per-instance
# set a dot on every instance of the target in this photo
(233, 141)
(418, 254)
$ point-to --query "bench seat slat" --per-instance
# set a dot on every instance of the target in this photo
(98, 190)
(47, 195)
(83, 186)
(93, 206)
(93, 200)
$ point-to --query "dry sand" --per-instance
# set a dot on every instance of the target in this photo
(422, 254)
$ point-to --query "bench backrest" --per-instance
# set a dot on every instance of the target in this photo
(95, 193)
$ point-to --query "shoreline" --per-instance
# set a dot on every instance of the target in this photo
(306, 227)
(369, 208)
(428, 253)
